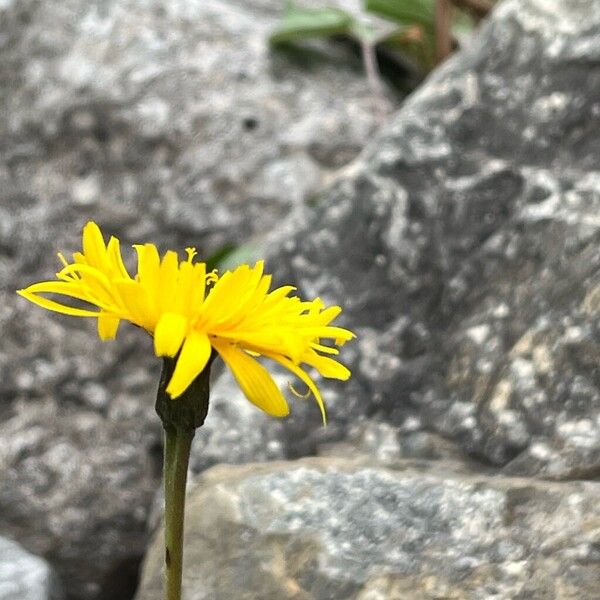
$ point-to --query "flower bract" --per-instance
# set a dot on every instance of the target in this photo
(192, 313)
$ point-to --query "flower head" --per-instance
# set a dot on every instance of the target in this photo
(191, 313)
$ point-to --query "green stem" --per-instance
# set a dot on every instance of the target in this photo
(180, 418)
(178, 441)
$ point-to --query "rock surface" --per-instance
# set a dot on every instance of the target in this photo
(24, 576)
(175, 109)
(328, 529)
(463, 246)
(77, 487)
(166, 121)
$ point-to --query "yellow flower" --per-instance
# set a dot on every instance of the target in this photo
(190, 313)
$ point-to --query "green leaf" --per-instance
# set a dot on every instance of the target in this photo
(246, 253)
(406, 12)
(302, 23)
(217, 258)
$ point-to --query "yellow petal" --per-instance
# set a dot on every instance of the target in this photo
(168, 275)
(194, 355)
(229, 297)
(329, 314)
(169, 333)
(107, 326)
(259, 339)
(135, 301)
(256, 274)
(148, 274)
(57, 287)
(327, 367)
(148, 264)
(221, 299)
(304, 376)
(95, 283)
(324, 349)
(256, 383)
(94, 249)
(327, 331)
(279, 293)
(114, 255)
(185, 288)
(79, 258)
(199, 285)
(262, 288)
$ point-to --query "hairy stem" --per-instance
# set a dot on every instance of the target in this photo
(178, 442)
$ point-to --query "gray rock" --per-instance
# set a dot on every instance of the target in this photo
(77, 487)
(24, 576)
(463, 245)
(166, 121)
(389, 446)
(330, 529)
(177, 110)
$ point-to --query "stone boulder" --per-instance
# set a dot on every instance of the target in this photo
(330, 529)
(24, 576)
(77, 487)
(164, 121)
(175, 115)
(463, 245)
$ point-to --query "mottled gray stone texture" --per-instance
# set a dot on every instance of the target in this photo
(329, 529)
(165, 121)
(24, 576)
(463, 245)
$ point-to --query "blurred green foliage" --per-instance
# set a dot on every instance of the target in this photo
(230, 256)
(301, 23)
(407, 27)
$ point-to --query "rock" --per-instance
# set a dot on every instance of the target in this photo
(77, 487)
(327, 529)
(462, 244)
(171, 122)
(24, 576)
(389, 446)
(177, 110)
